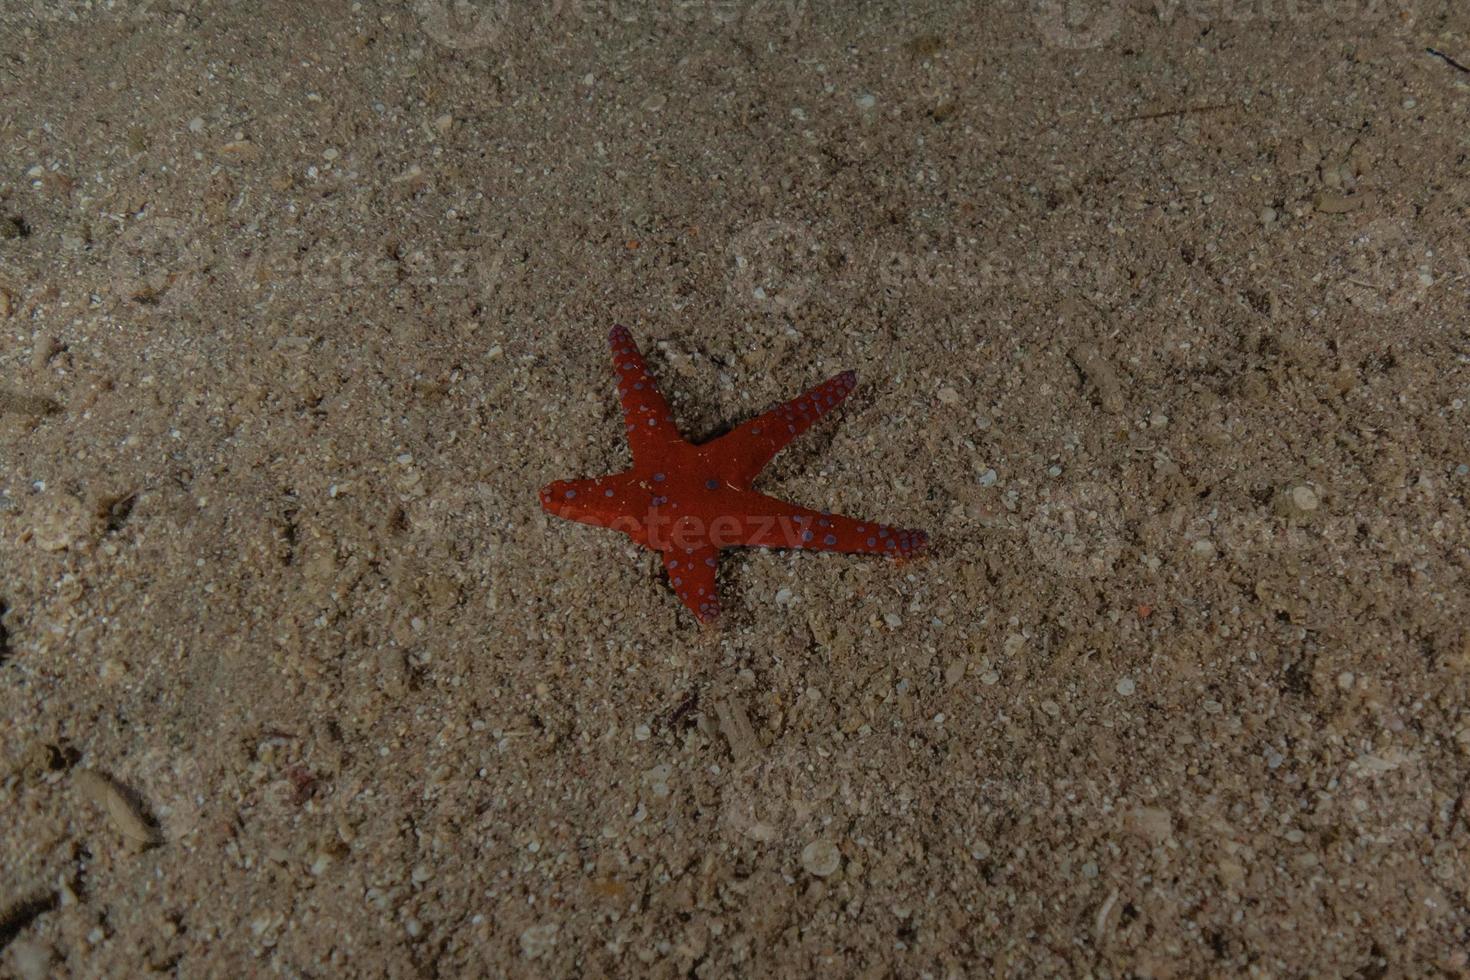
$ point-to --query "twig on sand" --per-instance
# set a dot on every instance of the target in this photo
(1448, 60)
(1167, 113)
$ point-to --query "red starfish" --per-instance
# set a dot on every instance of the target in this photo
(690, 501)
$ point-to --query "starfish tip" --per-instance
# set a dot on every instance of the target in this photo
(915, 545)
(557, 497)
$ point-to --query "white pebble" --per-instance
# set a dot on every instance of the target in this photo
(32, 961)
(821, 858)
(539, 940)
(657, 779)
(1125, 686)
(866, 101)
(1299, 501)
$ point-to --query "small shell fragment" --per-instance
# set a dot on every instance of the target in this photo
(735, 726)
(124, 812)
(1329, 202)
(1100, 373)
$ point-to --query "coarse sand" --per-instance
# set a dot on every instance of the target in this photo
(1160, 313)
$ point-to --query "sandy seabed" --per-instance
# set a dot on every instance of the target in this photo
(1161, 318)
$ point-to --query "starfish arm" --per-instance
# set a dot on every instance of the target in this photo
(766, 522)
(746, 449)
(615, 502)
(646, 416)
(692, 576)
